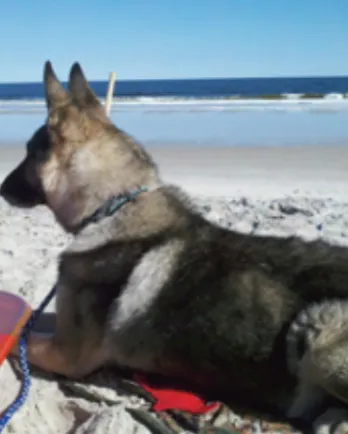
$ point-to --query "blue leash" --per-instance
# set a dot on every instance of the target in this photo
(23, 363)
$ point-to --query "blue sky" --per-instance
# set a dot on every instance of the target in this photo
(174, 38)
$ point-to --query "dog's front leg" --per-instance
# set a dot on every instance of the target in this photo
(73, 349)
(45, 353)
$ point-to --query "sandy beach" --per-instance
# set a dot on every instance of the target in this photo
(297, 190)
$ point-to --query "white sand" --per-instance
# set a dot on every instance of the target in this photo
(282, 191)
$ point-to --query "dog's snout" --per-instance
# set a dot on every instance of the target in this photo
(18, 191)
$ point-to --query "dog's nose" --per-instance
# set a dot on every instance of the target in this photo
(3, 192)
(11, 185)
(1, 189)
(5, 189)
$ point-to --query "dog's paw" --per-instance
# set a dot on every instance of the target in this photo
(333, 421)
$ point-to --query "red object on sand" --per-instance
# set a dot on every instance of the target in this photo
(172, 399)
(14, 313)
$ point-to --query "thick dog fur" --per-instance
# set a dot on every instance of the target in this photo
(157, 288)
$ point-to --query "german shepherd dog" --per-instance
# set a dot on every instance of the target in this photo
(156, 288)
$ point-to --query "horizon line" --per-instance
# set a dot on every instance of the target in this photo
(270, 77)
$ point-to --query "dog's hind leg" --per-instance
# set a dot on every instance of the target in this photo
(318, 356)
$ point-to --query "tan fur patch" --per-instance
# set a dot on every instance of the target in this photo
(51, 174)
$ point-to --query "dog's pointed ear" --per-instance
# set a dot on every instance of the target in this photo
(55, 93)
(80, 91)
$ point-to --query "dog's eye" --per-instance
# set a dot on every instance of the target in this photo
(37, 150)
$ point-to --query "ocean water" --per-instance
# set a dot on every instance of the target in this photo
(196, 88)
(205, 112)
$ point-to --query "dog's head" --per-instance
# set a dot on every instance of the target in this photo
(78, 158)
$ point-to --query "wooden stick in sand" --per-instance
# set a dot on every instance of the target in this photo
(110, 92)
